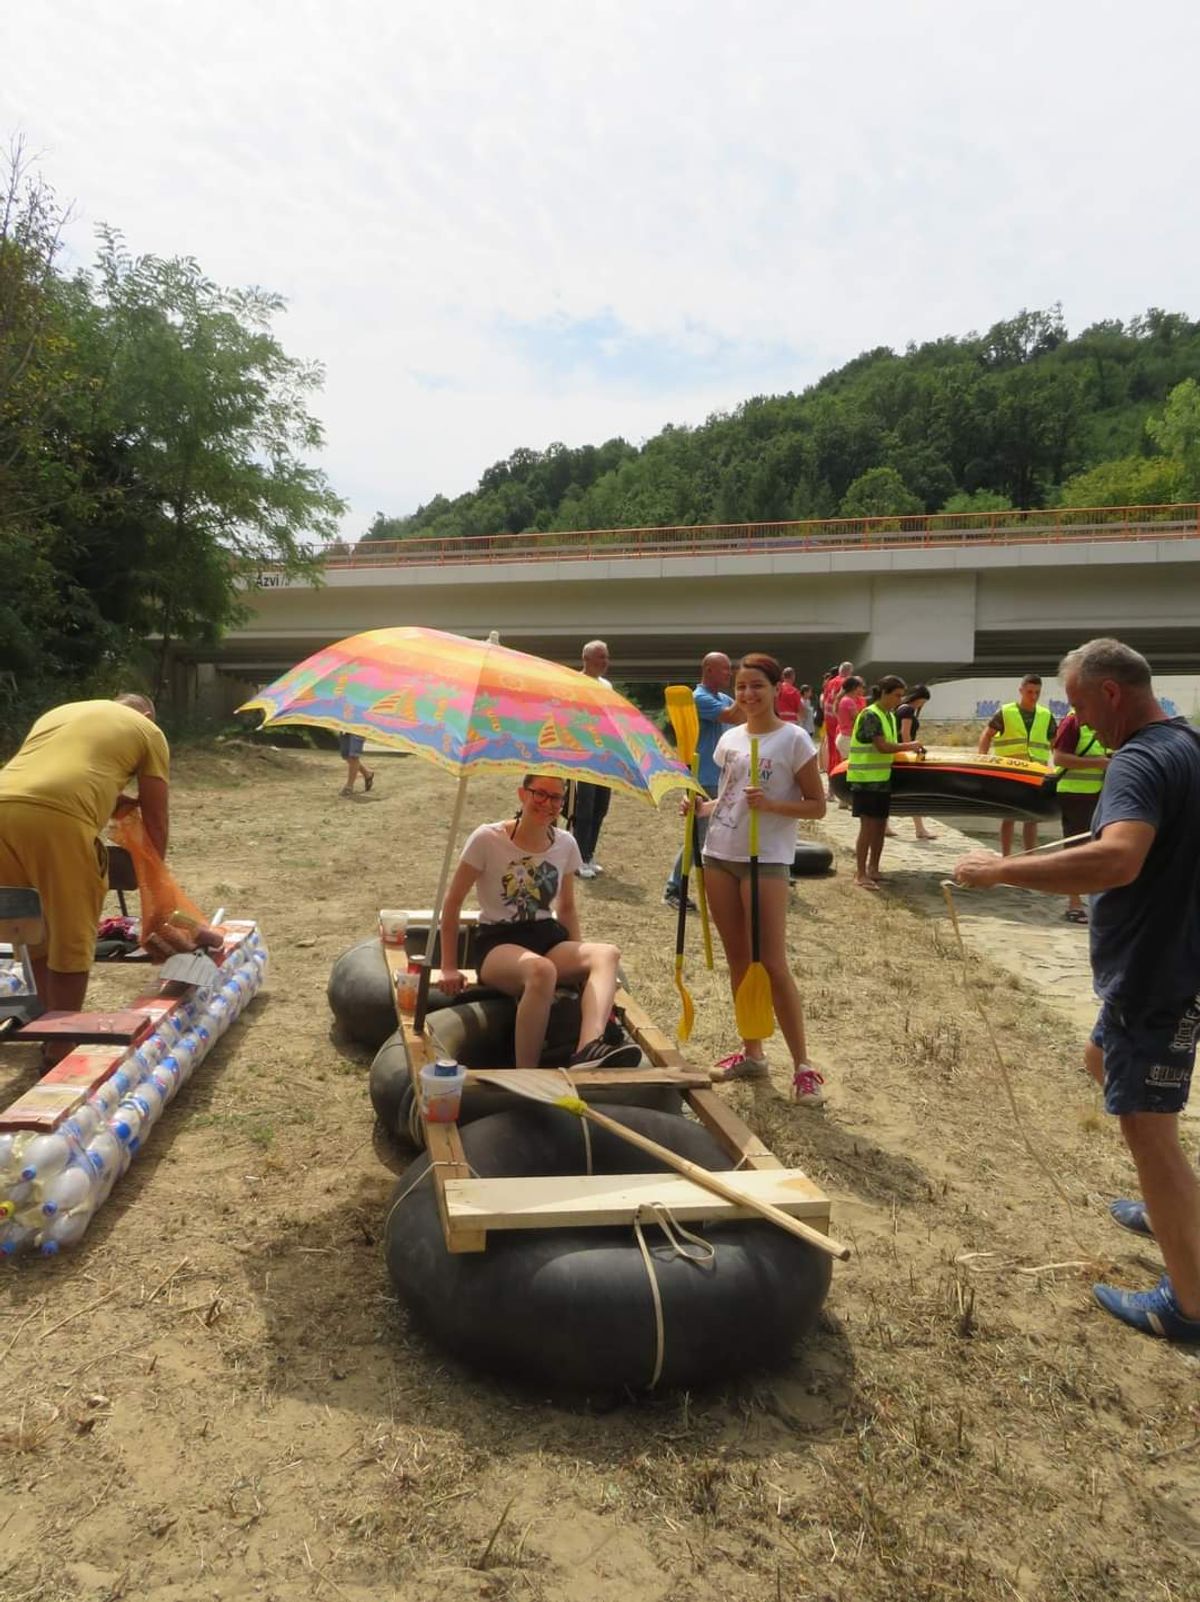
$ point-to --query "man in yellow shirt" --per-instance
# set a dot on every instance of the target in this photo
(56, 797)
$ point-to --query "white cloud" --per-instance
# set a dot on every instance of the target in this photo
(787, 184)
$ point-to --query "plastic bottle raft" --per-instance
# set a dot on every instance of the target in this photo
(66, 1142)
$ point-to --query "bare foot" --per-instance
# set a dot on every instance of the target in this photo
(927, 836)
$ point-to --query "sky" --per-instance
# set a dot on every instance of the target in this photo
(500, 225)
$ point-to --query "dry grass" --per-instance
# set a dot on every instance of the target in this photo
(218, 1394)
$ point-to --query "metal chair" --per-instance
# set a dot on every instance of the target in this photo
(21, 926)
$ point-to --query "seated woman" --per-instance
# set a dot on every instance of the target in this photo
(523, 871)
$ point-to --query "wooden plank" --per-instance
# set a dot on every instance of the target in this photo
(87, 1027)
(444, 1145)
(583, 1078)
(641, 1027)
(566, 1202)
(63, 1088)
(738, 1139)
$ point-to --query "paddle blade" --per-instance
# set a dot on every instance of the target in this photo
(547, 1085)
(687, 1009)
(685, 720)
(752, 1004)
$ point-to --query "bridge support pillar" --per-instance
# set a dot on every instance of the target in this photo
(922, 624)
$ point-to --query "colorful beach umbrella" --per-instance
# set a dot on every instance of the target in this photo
(475, 704)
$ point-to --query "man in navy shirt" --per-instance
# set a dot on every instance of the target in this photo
(1142, 867)
(716, 710)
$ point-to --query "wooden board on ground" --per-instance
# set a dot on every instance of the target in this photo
(86, 1027)
(738, 1139)
(599, 1200)
(64, 1088)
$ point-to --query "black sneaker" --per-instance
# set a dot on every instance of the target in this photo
(599, 1054)
(671, 899)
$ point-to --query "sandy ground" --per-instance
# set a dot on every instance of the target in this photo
(217, 1395)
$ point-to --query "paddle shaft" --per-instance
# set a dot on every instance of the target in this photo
(754, 777)
(719, 1186)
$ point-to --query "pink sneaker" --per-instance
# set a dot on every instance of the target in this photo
(739, 1066)
(808, 1087)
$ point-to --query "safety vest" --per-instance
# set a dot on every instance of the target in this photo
(867, 765)
(1084, 781)
(1013, 741)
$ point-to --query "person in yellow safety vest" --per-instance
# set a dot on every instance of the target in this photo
(1082, 760)
(873, 748)
(1026, 730)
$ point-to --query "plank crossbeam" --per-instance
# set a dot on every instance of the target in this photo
(569, 1201)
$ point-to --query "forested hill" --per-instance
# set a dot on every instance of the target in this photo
(1020, 416)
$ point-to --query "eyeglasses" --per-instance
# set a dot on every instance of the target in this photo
(548, 798)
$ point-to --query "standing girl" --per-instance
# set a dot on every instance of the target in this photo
(789, 787)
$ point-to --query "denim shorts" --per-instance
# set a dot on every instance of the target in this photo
(1148, 1055)
(351, 745)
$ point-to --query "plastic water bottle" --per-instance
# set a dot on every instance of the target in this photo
(64, 1230)
(66, 1191)
(127, 1123)
(105, 1154)
(44, 1156)
(14, 1236)
(149, 1103)
(7, 1143)
(82, 1124)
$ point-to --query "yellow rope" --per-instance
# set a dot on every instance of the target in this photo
(948, 887)
(703, 1256)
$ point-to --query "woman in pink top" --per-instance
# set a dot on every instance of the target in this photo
(850, 704)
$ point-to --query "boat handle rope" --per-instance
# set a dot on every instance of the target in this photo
(701, 1255)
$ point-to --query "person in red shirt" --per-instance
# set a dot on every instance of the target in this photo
(787, 698)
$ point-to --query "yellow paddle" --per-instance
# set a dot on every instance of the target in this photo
(681, 709)
(752, 1004)
(685, 720)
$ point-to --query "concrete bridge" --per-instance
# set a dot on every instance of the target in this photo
(927, 596)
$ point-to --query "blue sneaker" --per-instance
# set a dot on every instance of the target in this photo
(1154, 1312)
(1132, 1215)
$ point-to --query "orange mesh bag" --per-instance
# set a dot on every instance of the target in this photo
(157, 886)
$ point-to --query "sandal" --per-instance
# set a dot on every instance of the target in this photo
(368, 780)
(1075, 915)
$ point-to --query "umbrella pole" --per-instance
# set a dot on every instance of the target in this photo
(439, 898)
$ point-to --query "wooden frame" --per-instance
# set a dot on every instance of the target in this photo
(469, 1208)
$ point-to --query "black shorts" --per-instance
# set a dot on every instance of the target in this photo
(532, 934)
(872, 801)
(1149, 1055)
(1077, 812)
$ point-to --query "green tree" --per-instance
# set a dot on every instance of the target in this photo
(1177, 435)
(879, 492)
(978, 501)
(1130, 481)
(213, 413)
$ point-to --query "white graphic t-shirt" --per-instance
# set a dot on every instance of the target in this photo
(781, 755)
(515, 885)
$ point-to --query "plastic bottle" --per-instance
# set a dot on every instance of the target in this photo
(64, 1230)
(127, 1123)
(14, 1236)
(441, 1090)
(73, 1188)
(83, 1123)
(43, 1156)
(106, 1155)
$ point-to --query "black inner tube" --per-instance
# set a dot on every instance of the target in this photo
(571, 1311)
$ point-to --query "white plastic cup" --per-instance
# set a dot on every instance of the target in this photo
(393, 926)
(441, 1091)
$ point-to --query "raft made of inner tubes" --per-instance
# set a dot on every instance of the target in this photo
(573, 1311)
(812, 858)
(948, 782)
